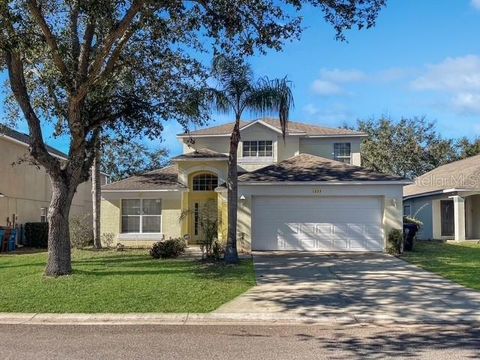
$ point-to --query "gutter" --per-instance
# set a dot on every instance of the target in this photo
(437, 192)
(139, 190)
(323, 183)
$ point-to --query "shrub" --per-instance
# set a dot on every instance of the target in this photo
(412, 220)
(170, 248)
(394, 242)
(218, 250)
(36, 234)
(81, 233)
(108, 239)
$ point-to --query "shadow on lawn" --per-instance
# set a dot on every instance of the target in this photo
(124, 264)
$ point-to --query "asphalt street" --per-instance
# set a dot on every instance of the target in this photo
(238, 342)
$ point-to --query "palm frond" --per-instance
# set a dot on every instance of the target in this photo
(272, 97)
(218, 100)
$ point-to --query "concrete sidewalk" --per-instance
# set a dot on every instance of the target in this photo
(221, 318)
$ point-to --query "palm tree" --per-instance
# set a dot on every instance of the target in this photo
(96, 195)
(237, 91)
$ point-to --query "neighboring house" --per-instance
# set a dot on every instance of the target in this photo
(304, 192)
(25, 188)
(447, 201)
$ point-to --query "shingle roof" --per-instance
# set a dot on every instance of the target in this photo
(293, 128)
(165, 178)
(306, 167)
(24, 138)
(202, 154)
(462, 174)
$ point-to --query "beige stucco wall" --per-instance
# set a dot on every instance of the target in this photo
(324, 147)
(282, 148)
(111, 219)
(218, 144)
(390, 195)
(27, 188)
(186, 168)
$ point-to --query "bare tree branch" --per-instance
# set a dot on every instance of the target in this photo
(17, 82)
(111, 39)
(74, 12)
(50, 39)
(85, 50)
(112, 60)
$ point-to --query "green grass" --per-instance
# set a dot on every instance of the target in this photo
(457, 262)
(120, 282)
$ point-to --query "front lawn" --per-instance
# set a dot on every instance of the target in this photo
(457, 262)
(117, 282)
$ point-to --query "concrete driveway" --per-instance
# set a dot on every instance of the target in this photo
(362, 287)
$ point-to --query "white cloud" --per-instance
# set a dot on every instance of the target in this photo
(392, 74)
(342, 76)
(458, 78)
(476, 4)
(467, 103)
(452, 74)
(476, 128)
(331, 115)
(326, 88)
(311, 109)
(333, 82)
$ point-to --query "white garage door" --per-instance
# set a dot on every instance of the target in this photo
(317, 224)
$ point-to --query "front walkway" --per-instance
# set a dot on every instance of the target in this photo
(366, 287)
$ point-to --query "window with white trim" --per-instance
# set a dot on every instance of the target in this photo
(43, 214)
(261, 148)
(342, 152)
(141, 216)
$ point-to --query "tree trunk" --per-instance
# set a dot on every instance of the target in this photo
(231, 253)
(96, 197)
(59, 254)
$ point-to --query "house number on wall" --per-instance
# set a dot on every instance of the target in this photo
(316, 191)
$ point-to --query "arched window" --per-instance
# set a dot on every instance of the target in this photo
(205, 182)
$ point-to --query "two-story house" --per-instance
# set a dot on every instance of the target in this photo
(25, 189)
(306, 191)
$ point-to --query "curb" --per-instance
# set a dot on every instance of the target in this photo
(266, 319)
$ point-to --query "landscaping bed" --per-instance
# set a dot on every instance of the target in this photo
(120, 282)
(457, 262)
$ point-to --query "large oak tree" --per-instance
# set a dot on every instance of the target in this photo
(127, 66)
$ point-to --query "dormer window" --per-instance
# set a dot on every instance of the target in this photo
(342, 152)
(261, 148)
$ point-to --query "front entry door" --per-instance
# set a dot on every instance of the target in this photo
(447, 217)
(201, 210)
(197, 234)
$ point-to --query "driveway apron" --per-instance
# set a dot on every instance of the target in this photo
(366, 286)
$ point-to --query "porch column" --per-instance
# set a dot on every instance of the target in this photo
(459, 217)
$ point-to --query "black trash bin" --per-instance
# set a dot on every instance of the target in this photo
(409, 231)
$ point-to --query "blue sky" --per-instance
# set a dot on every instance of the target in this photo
(422, 58)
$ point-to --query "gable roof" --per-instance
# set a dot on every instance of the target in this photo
(294, 128)
(164, 178)
(459, 175)
(306, 168)
(25, 139)
(201, 154)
